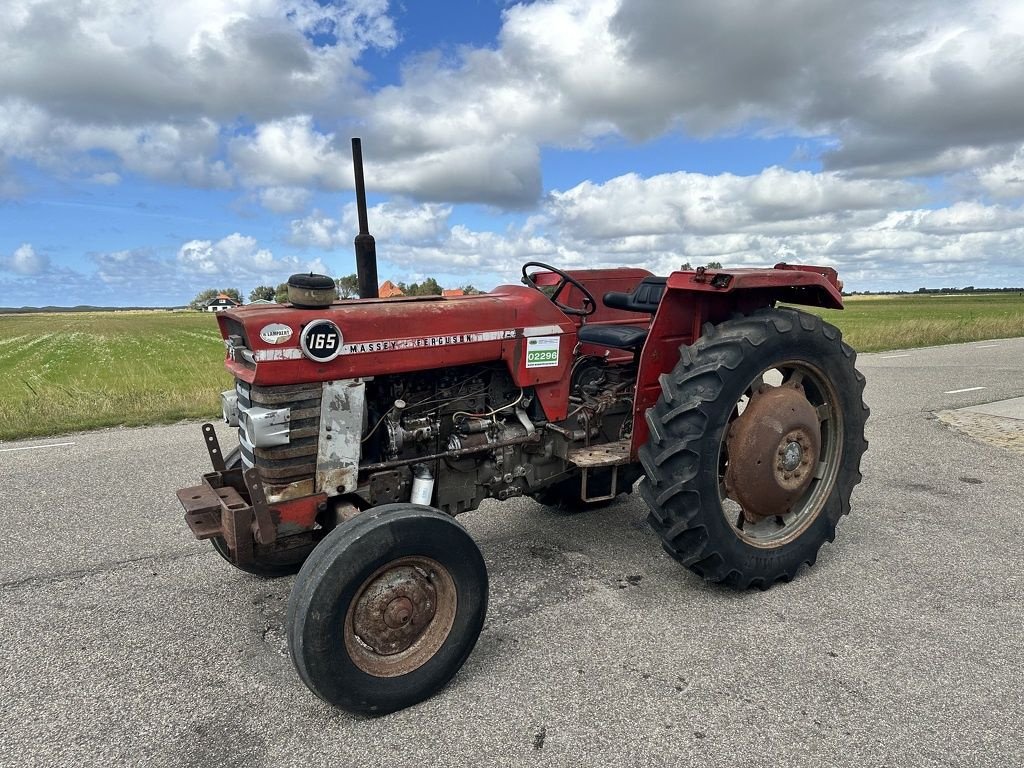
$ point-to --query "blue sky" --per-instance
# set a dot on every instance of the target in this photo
(150, 151)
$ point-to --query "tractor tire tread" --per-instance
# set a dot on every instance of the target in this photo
(679, 423)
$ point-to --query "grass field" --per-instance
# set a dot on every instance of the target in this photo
(75, 371)
(877, 323)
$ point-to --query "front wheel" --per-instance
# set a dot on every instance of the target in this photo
(387, 608)
(755, 447)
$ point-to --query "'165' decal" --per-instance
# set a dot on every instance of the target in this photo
(321, 340)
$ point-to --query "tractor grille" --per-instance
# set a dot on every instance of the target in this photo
(234, 328)
(295, 461)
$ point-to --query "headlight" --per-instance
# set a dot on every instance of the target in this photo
(229, 407)
(265, 427)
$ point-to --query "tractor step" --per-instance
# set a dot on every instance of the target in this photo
(604, 455)
(203, 505)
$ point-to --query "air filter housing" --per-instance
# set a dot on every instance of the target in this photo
(311, 291)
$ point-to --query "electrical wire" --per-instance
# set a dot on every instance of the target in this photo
(518, 400)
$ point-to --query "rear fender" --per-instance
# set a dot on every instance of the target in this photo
(712, 296)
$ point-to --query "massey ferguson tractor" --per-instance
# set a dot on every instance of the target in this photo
(366, 426)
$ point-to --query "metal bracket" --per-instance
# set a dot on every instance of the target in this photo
(614, 486)
(213, 447)
(266, 531)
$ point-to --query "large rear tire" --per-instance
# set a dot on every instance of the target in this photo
(747, 497)
(387, 608)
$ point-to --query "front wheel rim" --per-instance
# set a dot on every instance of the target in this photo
(400, 616)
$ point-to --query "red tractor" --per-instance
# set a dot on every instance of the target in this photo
(367, 425)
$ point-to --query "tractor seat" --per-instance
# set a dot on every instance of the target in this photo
(617, 336)
(644, 298)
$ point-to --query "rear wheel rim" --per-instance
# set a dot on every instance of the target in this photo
(774, 531)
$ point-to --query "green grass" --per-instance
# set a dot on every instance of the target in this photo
(68, 372)
(75, 371)
(877, 323)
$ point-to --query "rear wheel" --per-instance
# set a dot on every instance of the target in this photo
(387, 608)
(755, 447)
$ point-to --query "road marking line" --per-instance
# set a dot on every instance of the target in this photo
(32, 447)
(986, 346)
(889, 357)
(958, 391)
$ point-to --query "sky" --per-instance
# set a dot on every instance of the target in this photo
(151, 150)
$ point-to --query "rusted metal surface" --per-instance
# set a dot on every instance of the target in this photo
(341, 425)
(604, 455)
(266, 531)
(387, 486)
(202, 510)
(400, 616)
(213, 447)
(773, 449)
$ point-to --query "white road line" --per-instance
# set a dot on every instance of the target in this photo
(889, 357)
(986, 346)
(33, 447)
(958, 391)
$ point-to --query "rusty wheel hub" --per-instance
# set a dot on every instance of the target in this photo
(400, 616)
(394, 609)
(773, 449)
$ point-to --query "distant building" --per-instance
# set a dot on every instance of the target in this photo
(453, 292)
(222, 303)
(389, 289)
(263, 301)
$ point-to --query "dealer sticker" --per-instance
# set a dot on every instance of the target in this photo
(542, 352)
(276, 333)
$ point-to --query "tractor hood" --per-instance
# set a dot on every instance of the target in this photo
(358, 338)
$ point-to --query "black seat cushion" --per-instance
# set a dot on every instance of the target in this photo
(617, 336)
(644, 298)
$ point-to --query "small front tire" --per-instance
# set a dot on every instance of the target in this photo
(387, 608)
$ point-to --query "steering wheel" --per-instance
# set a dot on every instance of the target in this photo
(589, 303)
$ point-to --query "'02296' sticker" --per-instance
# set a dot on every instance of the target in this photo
(321, 341)
(542, 352)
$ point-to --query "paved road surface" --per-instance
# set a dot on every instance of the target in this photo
(125, 642)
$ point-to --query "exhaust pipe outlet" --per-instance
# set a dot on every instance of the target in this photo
(365, 245)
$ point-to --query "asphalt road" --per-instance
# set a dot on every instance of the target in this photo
(126, 642)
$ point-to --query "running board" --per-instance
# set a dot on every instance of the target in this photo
(603, 455)
(611, 455)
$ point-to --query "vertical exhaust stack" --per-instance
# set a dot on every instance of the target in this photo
(366, 247)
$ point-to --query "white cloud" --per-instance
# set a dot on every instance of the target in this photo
(398, 221)
(773, 200)
(870, 230)
(207, 93)
(291, 152)
(1004, 179)
(284, 199)
(105, 61)
(25, 261)
(234, 261)
(239, 257)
